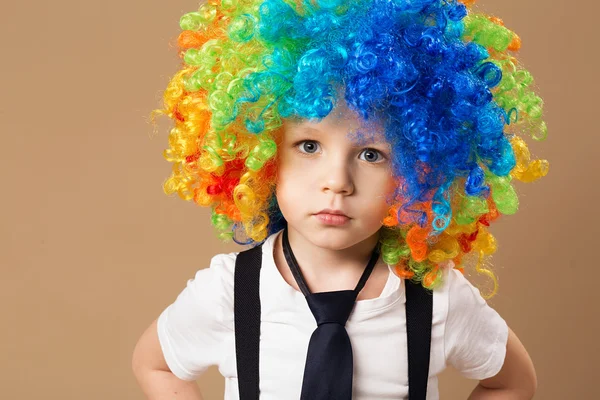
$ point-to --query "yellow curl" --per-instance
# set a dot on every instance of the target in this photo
(480, 269)
(527, 170)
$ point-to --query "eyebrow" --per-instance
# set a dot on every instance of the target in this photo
(369, 138)
(305, 130)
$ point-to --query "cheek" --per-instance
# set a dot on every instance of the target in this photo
(392, 185)
(286, 192)
(380, 183)
(292, 178)
(383, 194)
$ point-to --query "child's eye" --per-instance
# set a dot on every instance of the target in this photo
(310, 147)
(374, 153)
(302, 145)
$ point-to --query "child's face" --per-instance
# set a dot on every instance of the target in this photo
(322, 166)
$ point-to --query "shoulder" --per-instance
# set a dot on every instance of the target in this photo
(219, 276)
(459, 301)
(457, 290)
(222, 267)
(210, 290)
(474, 333)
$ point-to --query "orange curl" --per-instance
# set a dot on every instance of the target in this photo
(392, 218)
(402, 270)
(496, 20)
(230, 210)
(191, 39)
(468, 3)
(515, 44)
(431, 276)
(416, 238)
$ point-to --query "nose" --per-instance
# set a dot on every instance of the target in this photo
(337, 178)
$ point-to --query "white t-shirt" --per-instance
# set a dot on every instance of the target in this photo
(197, 331)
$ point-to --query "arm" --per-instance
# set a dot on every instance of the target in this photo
(153, 374)
(516, 380)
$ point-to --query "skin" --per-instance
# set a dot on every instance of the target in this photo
(324, 165)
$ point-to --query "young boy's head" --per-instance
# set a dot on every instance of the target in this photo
(339, 163)
(403, 114)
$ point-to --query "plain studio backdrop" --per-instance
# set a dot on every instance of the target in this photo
(92, 250)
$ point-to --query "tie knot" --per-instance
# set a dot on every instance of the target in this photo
(332, 307)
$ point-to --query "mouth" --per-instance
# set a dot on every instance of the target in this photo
(328, 211)
(332, 217)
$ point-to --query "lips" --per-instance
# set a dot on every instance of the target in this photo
(332, 212)
(328, 216)
(332, 219)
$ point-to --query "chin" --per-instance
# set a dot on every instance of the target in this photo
(336, 237)
(333, 241)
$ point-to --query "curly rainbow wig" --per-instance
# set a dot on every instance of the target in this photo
(443, 79)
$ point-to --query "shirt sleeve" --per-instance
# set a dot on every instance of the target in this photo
(475, 335)
(191, 330)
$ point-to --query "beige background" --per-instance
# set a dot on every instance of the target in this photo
(92, 250)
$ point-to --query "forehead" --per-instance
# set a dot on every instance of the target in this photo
(341, 123)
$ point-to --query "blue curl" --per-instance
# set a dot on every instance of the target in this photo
(475, 184)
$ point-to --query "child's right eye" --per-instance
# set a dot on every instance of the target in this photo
(302, 143)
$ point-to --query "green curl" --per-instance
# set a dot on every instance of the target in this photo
(487, 33)
(261, 153)
(470, 208)
(504, 194)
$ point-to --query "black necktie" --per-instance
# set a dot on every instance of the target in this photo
(328, 369)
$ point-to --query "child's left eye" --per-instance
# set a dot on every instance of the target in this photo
(370, 152)
(373, 151)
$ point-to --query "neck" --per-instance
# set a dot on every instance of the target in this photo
(328, 266)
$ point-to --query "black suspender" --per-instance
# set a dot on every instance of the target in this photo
(419, 308)
(246, 310)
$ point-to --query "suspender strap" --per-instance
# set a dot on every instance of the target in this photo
(246, 303)
(419, 309)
